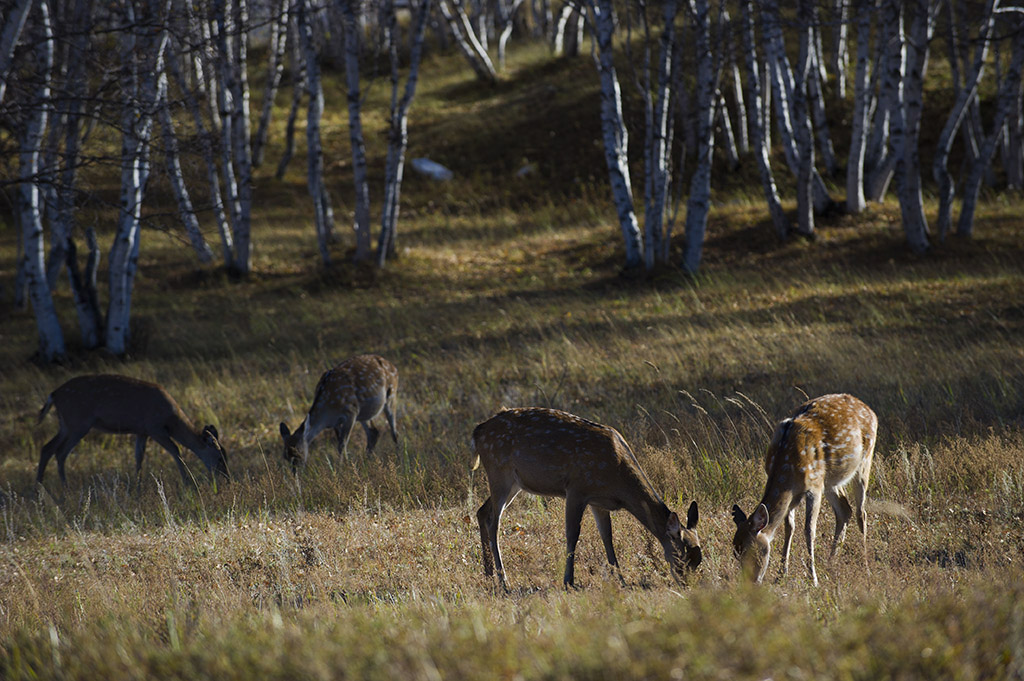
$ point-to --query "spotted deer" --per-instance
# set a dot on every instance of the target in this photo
(826, 444)
(358, 389)
(553, 453)
(120, 404)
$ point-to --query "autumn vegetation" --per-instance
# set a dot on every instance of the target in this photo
(508, 291)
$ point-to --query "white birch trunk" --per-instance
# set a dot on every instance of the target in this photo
(658, 163)
(186, 211)
(468, 41)
(1014, 163)
(10, 31)
(360, 179)
(908, 174)
(840, 44)
(781, 78)
(558, 39)
(275, 68)
(802, 122)
(760, 124)
(1009, 91)
(855, 202)
(616, 138)
(966, 93)
(298, 72)
(240, 127)
(51, 337)
(507, 24)
(204, 137)
(699, 203)
(398, 136)
(144, 62)
(315, 154)
(816, 99)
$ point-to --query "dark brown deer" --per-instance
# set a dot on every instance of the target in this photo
(120, 404)
(358, 389)
(825, 445)
(553, 453)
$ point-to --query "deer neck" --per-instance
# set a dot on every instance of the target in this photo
(652, 513)
(182, 430)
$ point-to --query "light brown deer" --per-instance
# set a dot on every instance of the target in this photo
(826, 444)
(358, 389)
(553, 453)
(124, 405)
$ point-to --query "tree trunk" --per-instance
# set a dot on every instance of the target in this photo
(275, 68)
(51, 337)
(298, 71)
(658, 162)
(314, 149)
(699, 203)
(398, 135)
(1009, 91)
(468, 41)
(840, 44)
(144, 58)
(905, 118)
(759, 124)
(965, 95)
(855, 202)
(361, 225)
(616, 138)
(802, 122)
(10, 31)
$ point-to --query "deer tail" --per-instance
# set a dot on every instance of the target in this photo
(474, 462)
(46, 408)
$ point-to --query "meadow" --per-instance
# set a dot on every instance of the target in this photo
(508, 292)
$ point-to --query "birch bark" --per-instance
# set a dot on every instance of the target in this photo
(699, 203)
(314, 149)
(360, 178)
(855, 202)
(9, 34)
(759, 123)
(398, 135)
(51, 337)
(616, 138)
(275, 68)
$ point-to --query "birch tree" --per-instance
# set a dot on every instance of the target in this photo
(278, 44)
(759, 123)
(10, 31)
(802, 128)
(1009, 92)
(855, 202)
(361, 224)
(466, 39)
(314, 149)
(398, 133)
(616, 137)
(51, 337)
(699, 202)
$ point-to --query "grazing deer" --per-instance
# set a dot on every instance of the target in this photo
(827, 443)
(552, 453)
(355, 390)
(123, 405)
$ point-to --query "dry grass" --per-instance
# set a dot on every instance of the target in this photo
(371, 568)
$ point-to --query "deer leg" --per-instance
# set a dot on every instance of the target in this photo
(813, 508)
(167, 443)
(61, 452)
(483, 519)
(860, 494)
(389, 413)
(55, 443)
(841, 506)
(573, 517)
(343, 430)
(787, 541)
(140, 451)
(604, 526)
(372, 435)
(500, 499)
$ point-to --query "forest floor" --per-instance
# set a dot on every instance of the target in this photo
(507, 291)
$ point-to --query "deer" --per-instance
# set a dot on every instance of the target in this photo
(123, 405)
(825, 445)
(358, 389)
(553, 453)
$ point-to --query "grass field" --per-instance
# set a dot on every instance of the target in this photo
(507, 292)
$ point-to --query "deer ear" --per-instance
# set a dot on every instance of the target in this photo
(692, 516)
(673, 526)
(738, 516)
(284, 430)
(759, 519)
(210, 435)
